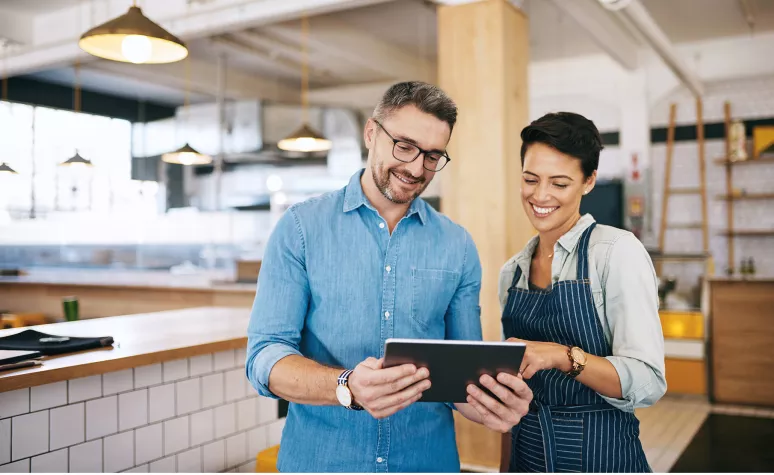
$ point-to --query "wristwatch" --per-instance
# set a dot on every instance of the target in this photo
(343, 393)
(577, 359)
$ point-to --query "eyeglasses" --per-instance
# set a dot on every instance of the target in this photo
(407, 152)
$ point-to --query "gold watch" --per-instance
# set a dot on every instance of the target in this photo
(577, 359)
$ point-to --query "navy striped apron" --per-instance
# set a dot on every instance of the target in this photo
(569, 428)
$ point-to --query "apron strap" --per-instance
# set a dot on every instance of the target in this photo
(516, 277)
(583, 253)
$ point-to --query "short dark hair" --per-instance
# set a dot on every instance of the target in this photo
(569, 133)
(426, 97)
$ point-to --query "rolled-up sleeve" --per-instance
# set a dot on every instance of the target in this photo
(631, 310)
(280, 305)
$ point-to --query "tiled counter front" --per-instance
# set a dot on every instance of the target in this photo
(191, 415)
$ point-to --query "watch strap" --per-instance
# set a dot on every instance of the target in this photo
(343, 380)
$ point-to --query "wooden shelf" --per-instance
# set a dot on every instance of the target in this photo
(749, 233)
(747, 197)
(656, 256)
(685, 226)
(749, 161)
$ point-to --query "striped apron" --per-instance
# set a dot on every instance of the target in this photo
(569, 428)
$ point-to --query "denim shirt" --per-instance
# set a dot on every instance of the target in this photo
(625, 290)
(333, 286)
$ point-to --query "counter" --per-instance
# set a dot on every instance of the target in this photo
(742, 338)
(114, 292)
(171, 395)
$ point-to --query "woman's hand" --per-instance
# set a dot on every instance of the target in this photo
(543, 355)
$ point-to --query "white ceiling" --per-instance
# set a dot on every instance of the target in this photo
(410, 26)
(35, 6)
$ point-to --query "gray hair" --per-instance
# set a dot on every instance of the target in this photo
(428, 98)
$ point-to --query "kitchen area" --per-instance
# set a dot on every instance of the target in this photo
(141, 178)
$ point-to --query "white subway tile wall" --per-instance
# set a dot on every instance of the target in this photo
(13, 403)
(189, 398)
(5, 441)
(167, 465)
(162, 402)
(215, 456)
(82, 389)
(148, 443)
(67, 425)
(48, 396)
(175, 370)
(147, 376)
(133, 422)
(101, 417)
(119, 452)
(52, 462)
(29, 435)
(86, 458)
(190, 462)
(132, 409)
(117, 382)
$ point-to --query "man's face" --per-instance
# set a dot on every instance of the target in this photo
(401, 182)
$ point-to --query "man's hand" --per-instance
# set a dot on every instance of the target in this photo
(383, 392)
(541, 355)
(500, 416)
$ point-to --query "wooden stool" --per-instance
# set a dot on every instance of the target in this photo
(266, 460)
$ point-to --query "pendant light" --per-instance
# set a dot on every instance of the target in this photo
(186, 155)
(133, 38)
(305, 138)
(76, 161)
(4, 167)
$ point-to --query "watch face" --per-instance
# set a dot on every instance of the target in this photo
(579, 356)
(344, 396)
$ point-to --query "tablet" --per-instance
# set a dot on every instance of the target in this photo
(454, 364)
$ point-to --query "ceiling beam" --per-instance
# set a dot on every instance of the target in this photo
(638, 16)
(15, 29)
(603, 28)
(202, 79)
(335, 38)
(282, 48)
(56, 34)
(358, 96)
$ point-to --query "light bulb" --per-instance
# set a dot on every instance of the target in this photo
(187, 158)
(136, 48)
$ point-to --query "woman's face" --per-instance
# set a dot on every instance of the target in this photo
(552, 187)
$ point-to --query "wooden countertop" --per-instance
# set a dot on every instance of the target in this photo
(206, 281)
(754, 279)
(140, 340)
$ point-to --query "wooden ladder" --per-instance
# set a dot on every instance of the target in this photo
(701, 191)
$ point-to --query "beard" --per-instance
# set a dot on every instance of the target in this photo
(382, 178)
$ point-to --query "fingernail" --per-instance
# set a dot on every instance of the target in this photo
(424, 372)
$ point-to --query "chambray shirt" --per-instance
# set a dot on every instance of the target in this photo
(333, 286)
(625, 290)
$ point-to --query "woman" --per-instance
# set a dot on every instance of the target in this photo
(584, 299)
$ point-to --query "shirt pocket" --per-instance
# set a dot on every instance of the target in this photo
(432, 291)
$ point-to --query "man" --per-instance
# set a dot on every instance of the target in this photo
(345, 271)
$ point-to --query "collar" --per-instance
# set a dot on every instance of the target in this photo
(354, 198)
(568, 241)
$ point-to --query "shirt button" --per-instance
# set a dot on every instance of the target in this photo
(381, 225)
(379, 460)
(386, 314)
(388, 268)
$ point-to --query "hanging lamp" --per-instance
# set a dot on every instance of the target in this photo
(5, 168)
(305, 138)
(186, 155)
(133, 38)
(77, 160)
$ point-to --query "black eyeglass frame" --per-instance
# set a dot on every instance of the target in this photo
(420, 151)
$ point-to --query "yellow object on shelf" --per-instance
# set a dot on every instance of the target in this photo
(266, 460)
(682, 325)
(763, 138)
